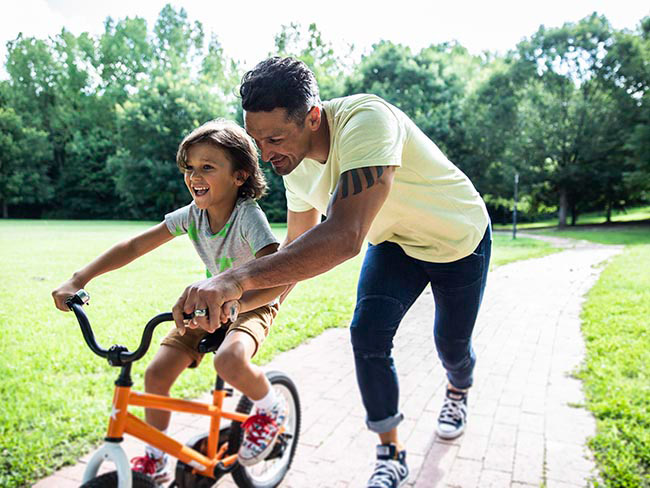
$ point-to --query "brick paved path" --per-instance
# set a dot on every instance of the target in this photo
(525, 425)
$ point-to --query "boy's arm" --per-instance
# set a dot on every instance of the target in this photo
(117, 256)
(297, 224)
(253, 299)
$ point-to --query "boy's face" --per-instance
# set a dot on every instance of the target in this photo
(209, 176)
(282, 141)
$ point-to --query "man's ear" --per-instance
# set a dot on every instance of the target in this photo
(314, 118)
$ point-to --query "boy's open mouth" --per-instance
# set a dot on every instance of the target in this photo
(200, 190)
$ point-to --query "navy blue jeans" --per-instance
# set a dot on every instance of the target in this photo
(390, 282)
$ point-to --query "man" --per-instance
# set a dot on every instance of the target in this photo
(364, 164)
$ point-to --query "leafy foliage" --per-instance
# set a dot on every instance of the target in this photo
(101, 117)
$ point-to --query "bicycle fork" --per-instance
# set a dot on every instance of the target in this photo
(112, 449)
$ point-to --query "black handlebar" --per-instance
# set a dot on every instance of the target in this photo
(117, 355)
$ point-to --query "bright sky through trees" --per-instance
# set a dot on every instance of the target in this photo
(246, 30)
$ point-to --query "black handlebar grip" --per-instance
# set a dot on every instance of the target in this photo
(81, 297)
(188, 316)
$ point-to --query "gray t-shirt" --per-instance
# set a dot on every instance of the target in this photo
(246, 232)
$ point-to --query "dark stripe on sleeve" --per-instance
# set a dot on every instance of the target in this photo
(369, 178)
(356, 181)
(380, 171)
(344, 185)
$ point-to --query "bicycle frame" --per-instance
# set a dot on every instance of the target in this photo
(122, 421)
(213, 464)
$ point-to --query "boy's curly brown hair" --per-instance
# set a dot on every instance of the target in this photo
(240, 148)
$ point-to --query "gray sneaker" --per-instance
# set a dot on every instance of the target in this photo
(390, 469)
(453, 415)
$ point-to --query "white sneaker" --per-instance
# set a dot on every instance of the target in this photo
(158, 469)
(260, 432)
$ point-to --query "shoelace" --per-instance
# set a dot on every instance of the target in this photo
(144, 464)
(257, 426)
(386, 473)
(452, 411)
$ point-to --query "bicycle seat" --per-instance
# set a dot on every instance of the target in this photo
(212, 341)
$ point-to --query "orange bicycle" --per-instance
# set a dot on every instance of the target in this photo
(205, 458)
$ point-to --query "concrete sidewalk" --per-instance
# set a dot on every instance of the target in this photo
(524, 427)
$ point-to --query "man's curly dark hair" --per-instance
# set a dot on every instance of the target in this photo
(280, 83)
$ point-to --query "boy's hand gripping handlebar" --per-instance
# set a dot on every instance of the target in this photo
(117, 355)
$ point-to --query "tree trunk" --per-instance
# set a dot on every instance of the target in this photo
(574, 215)
(609, 211)
(564, 207)
(5, 209)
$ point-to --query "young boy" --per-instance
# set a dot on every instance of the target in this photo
(228, 229)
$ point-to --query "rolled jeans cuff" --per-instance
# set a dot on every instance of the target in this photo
(381, 426)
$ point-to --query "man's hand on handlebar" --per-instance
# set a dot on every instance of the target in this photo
(210, 294)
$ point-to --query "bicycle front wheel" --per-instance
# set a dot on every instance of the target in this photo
(272, 470)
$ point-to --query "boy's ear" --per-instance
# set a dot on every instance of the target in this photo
(240, 177)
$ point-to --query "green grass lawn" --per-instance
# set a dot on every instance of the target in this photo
(506, 250)
(56, 393)
(590, 218)
(616, 373)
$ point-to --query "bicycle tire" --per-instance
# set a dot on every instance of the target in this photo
(185, 476)
(248, 477)
(109, 480)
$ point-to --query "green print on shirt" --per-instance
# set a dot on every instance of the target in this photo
(178, 231)
(222, 232)
(225, 263)
(192, 232)
(207, 273)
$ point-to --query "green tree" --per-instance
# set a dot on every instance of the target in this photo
(629, 71)
(420, 85)
(489, 118)
(123, 54)
(90, 96)
(23, 155)
(151, 125)
(330, 69)
(59, 83)
(186, 87)
(568, 117)
(176, 42)
(558, 112)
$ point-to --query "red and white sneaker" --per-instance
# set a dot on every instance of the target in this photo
(260, 432)
(158, 469)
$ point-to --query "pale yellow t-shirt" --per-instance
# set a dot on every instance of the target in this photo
(433, 211)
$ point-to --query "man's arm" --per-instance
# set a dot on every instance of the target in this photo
(358, 197)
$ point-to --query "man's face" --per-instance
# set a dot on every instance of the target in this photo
(282, 141)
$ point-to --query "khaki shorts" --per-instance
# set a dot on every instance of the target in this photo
(256, 323)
